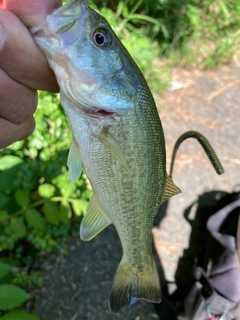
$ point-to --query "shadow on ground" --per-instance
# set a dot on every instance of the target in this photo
(203, 251)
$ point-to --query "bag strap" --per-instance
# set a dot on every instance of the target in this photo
(204, 303)
(238, 242)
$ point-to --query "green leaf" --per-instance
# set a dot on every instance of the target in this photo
(79, 206)
(3, 199)
(22, 197)
(68, 190)
(4, 269)
(3, 215)
(8, 162)
(51, 211)
(18, 226)
(9, 169)
(7, 180)
(12, 296)
(65, 211)
(19, 315)
(34, 218)
(46, 190)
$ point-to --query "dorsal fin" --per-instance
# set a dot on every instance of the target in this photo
(170, 189)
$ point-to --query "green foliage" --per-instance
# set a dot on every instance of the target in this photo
(18, 226)
(210, 33)
(12, 296)
(34, 218)
(26, 279)
(46, 190)
(4, 269)
(199, 33)
(38, 205)
(19, 315)
(35, 192)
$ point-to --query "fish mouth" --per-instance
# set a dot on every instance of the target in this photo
(99, 113)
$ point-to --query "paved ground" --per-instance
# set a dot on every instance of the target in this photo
(209, 102)
(77, 287)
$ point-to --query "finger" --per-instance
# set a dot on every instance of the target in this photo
(18, 131)
(17, 102)
(32, 13)
(20, 57)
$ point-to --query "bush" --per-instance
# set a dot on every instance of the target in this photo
(38, 205)
(35, 192)
(200, 33)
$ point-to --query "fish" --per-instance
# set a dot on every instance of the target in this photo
(118, 140)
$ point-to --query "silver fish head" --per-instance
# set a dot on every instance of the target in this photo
(86, 57)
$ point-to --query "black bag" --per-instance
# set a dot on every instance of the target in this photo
(208, 275)
(215, 294)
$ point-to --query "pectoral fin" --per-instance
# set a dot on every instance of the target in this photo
(74, 162)
(94, 221)
(170, 189)
(108, 140)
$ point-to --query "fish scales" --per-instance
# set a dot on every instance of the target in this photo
(134, 220)
(117, 139)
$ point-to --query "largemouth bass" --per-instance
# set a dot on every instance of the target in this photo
(117, 139)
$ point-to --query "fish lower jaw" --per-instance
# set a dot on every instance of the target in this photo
(99, 113)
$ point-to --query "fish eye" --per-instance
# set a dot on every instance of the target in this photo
(102, 38)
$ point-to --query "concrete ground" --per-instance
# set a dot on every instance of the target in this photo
(208, 102)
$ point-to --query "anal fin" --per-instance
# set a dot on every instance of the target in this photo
(94, 221)
(170, 189)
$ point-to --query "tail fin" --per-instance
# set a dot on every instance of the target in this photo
(129, 286)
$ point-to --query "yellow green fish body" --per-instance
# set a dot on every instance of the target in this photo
(117, 139)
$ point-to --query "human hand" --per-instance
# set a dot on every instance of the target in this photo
(23, 67)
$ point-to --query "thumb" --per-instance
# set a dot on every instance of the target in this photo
(18, 131)
(31, 12)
